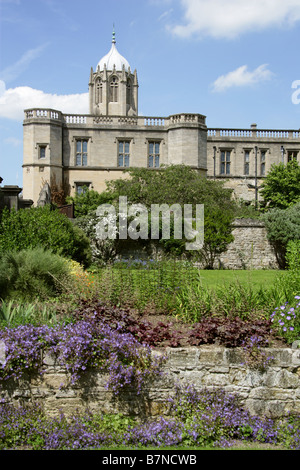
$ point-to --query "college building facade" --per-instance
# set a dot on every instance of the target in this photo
(80, 151)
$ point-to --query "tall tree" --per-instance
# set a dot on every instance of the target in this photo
(281, 187)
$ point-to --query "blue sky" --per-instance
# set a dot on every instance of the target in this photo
(235, 61)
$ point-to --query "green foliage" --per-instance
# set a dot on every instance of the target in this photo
(32, 273)
(288, 284)
(283, 226)
(293, 255)
(217, 233)
(281, 187)
(178, 288)
(43, 227)
(81, 250)
(13, 314)
(88, 201)
(179, 184)
(174, 184)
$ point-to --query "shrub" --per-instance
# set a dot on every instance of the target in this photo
(88, 201)
(32, 273)
(230, 333)
(293, 255)
(43, 227)
(283, 226)
(281, 187)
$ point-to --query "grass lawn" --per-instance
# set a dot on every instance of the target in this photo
(256, 278)
(211, 278)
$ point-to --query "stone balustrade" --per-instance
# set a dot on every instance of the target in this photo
(253, 133)
(162, 122)
(141, 121)
(38, 113)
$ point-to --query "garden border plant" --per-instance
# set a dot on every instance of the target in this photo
(210, 418)
(79, 346)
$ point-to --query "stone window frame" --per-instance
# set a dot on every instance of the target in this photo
(75, 140)
(129, 91)
(98, 90)
(114, 89)
(81, 184)
(42, 150)
(247, 153)
(124, 141)
(262, 162)
(154, 141)
(291, 154)
(226, 163)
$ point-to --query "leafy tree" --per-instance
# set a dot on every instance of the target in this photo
(88, 201)
(281, 187)
(43, 227)
(217, 233)
(180, 184)
(174, 184)
(283, 226)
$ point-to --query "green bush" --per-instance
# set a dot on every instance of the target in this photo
(293, 255)
(283, 226)
(88, 201)
(281, 187)
(32, 273)
(43, 227)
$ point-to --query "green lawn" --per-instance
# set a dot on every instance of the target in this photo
(256, 278)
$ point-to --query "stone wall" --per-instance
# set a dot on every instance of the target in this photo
(272, 393)
(250, 249)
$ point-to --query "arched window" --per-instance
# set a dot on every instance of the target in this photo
(129, 92)
(98, 91)
(114, 84)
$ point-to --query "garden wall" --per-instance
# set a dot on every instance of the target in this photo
(250, 249)
(272, 393)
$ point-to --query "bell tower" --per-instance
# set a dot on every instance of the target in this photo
(113, 88)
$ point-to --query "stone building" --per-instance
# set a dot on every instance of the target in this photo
(87, 150)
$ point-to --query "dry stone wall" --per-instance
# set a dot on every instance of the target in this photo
(272, 392)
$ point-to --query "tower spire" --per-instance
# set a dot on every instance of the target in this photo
(114, 35)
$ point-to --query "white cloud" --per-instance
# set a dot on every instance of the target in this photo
(13, 101)
(165, 14)
(13, 71)
(230, 18)
(242, 77)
